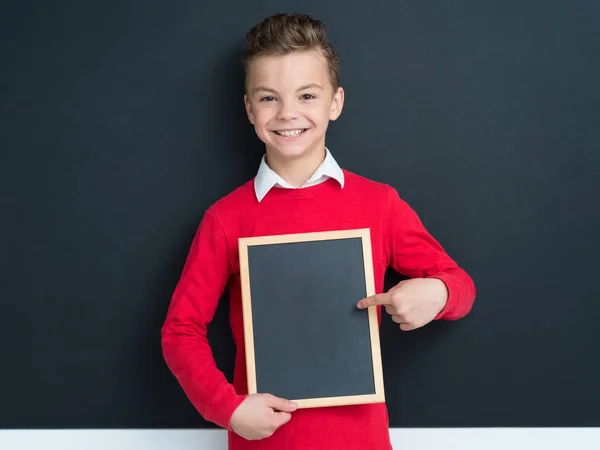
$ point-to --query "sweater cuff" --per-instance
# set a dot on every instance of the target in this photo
(223, 405)
(452, 301)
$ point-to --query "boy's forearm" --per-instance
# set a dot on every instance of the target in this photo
(417, 254)
(184, 334)
(188, 355)
(461, 293)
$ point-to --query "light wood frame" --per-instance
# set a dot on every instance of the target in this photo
(364, 234)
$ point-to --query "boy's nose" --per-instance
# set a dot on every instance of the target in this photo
(287, 112)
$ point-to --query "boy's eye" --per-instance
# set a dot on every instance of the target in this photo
(307, 96)
(266, 99)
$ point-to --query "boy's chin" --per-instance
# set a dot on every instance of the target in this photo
(290, 152)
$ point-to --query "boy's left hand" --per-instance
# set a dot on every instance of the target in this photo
(411, 303)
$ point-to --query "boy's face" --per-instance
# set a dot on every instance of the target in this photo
(290, 101)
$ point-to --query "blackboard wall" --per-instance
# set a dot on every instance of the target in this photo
(121, 122)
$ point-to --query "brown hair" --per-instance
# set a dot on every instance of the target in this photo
(284, 33)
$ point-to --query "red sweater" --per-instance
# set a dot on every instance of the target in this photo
(398, 240)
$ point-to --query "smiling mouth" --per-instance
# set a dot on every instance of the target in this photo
(290, 133)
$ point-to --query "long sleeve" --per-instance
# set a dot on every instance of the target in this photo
(416, 254)
(184, 333)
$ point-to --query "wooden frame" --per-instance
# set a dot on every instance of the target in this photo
(364, 234)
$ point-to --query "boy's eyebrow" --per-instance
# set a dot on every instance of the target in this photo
(264, 89)
(306, 86)
(310, 86)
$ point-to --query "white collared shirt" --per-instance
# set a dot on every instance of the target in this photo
(267, 178)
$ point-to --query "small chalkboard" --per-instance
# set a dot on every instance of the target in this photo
(305, 339)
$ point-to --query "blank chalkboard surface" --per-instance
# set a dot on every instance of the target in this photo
(305, 339)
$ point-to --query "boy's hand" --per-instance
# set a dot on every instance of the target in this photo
(260, 415)
(411, 303)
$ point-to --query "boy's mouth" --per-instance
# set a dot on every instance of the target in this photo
(290, 133)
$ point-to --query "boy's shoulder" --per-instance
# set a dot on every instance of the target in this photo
(375, 193)
(238, 198)
(368, 186)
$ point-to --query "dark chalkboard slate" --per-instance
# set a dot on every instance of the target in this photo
(305, 339)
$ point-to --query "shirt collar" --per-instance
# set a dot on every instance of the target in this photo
(267, 178)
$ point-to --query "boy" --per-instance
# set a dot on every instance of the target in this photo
(292, 92)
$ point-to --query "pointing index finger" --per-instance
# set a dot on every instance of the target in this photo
(374, 300)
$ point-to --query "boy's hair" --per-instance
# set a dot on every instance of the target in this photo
(281, 34)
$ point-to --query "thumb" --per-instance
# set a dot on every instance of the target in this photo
(280, 404)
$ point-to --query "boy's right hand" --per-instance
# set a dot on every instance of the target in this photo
(260, 415)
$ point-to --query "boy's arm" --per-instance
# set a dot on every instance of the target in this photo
(416, 254)
(184, 334)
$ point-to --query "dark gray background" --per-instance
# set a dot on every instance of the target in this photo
(122, 121)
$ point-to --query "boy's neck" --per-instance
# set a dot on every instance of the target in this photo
(297, 171)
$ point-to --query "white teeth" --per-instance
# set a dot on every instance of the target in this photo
(289, 133)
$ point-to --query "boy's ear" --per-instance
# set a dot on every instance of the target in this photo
(248, 109)
(337, 104)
